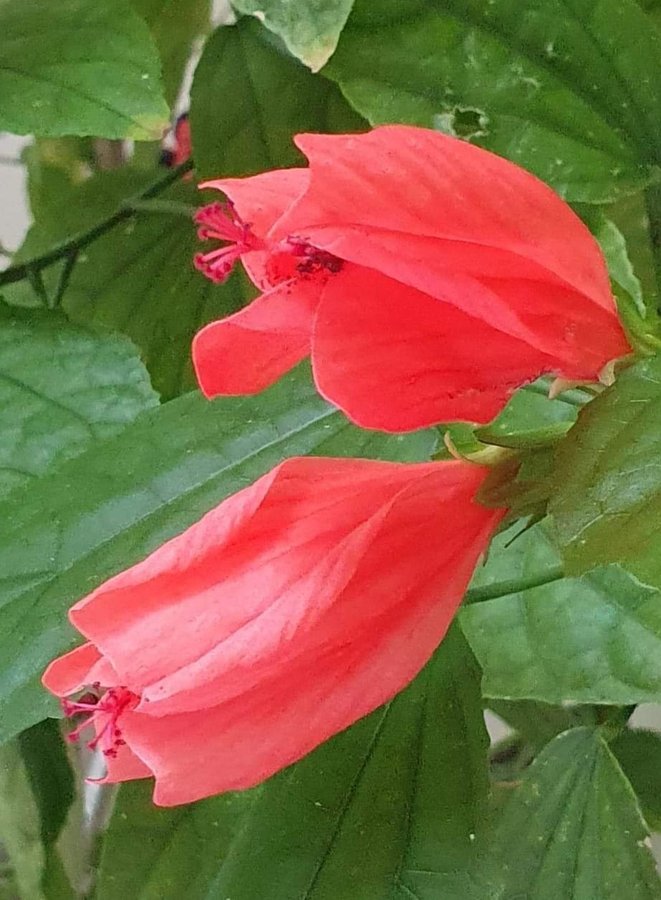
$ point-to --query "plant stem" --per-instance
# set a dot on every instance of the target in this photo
(78, 242)
(653, 208)
(513, 585)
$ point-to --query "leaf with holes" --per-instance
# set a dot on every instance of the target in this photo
(62, 387)
(565, 88)
(108, 508)
(74, 67)
(249, 99)
(309, 28)
(607, 495)
(573, 828)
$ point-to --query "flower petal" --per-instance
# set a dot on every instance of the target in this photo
(125, 766)
(521, 302)
(261, 200)
(261, 553)
(381, 627)
(396, 359)
(248, 351)
(137, 618)
(420, 182)
(77, 669)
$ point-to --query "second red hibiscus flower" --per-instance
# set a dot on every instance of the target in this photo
(389, 260)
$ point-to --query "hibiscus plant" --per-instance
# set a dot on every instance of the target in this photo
(330, 451)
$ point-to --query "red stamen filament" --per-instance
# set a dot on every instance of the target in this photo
(220, 222)
(102, 713)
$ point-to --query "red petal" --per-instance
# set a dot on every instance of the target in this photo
(77, 669)
(396, 359)
(125, 766)
(247, 352)
(420, 182)
(258, 550)
(137, 616)
(262, 199)
(342, 652)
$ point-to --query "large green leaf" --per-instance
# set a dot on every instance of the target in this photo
(573, 829)
(249, 99)
(593, 639)
(309, 28)
(62, 387)
(371, 814)
(174, 25)
(565, 88)
(75, 67)
(139, 277)
(181, 848)
(97, 514)
(607, 498)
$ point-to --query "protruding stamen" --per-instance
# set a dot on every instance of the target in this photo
(102, 712)
(220, 222)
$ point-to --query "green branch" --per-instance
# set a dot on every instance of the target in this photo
(32, 268)
(513, 585)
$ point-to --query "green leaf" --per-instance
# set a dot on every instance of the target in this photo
(565, 88)
(631, 218)
(593, 639)
(174, 25)
(180, 847)
(573, 829)
(62, 387)
(370, 814)
(621, 271)
(537, 635)
(49, 776)
(249, 99)
(639, 754)
(36, 791)
(138, 278)
(20, 829)
(607, 497)
(530, 415)
(97, 514)
(74, 67)
(309, 28)
(516, 561)
(637, 311)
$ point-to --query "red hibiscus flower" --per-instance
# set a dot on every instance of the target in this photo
(426, 277)
(295, 607)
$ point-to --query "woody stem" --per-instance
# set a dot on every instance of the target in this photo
(32, 268)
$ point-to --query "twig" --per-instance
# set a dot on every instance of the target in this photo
(128, 209)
